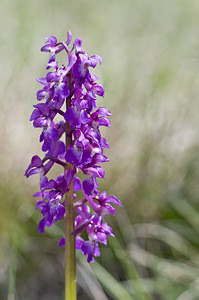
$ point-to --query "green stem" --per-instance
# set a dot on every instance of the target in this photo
(70, 258)
(70, 266)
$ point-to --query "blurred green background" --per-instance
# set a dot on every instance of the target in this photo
(150, 72)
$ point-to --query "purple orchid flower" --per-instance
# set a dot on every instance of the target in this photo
(70, 93)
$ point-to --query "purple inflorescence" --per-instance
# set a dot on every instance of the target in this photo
(75, 83)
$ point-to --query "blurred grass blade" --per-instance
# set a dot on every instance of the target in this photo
(166, 235)
(171, 269)
(112, 286)
(12, 273)
(187, 211)
(128, 265)
(91, 286)
(190, 294)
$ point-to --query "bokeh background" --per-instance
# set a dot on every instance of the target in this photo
(150, 72)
